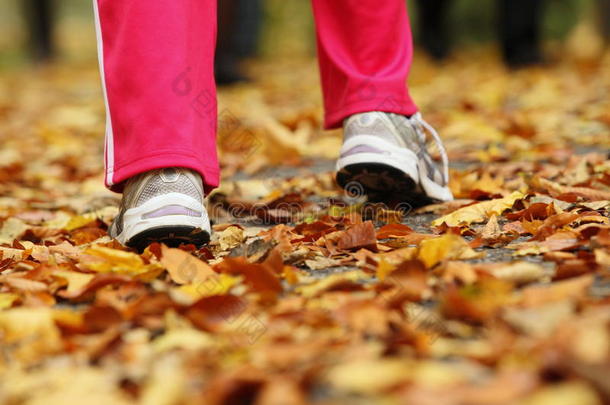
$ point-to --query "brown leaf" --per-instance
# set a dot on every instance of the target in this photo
(359, 236)
(99, 281)
(475, 303)
(183, 267)
(569, 289)
(99, 318)
(556, 190)
(215, 312)
(261, 278)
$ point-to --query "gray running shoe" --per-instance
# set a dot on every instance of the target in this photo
(163, 205)
(386, 154)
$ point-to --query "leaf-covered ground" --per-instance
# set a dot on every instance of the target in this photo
(307, 294)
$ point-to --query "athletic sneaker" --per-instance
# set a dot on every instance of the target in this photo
(164, 205)
(386, 155)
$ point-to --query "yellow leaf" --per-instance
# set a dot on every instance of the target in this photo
(76, 281)
(319, 286)
(436, 374)
(11, 229)
(118, 261)
(70, 317)
(383, 269)
(369, 376)
(290, 275)
(218, 284)
(446, 247)
(517, 272)
(567, 393)
(479, 212)
(29, 333)
(78, 221)
(231, 237)
(592, 344)
(183, 338)
(64, 383)
(11, 253)
(167, 381)
(602, 257)
(7, 299)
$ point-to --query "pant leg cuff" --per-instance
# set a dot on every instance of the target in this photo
(334, 119)
(209, 174)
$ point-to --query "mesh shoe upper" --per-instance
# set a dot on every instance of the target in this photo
(401, 131)
(170, 180)
(145, 186)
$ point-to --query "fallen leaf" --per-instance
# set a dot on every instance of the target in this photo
(183, 338)
(393, 231)
(259, 277)
(568, 289)
(445, 247)
(7, 300)
(567, 393)
(369, 376)
(183, 267)
(516, 272)
(76, 280)
(218, 284)
(541, 321)
(11, 229)
(338, 281)
(478, 212)
(29, 334)
(556, 189)
(359, 236)
(108, 260)
(231, 237)
(492, 230)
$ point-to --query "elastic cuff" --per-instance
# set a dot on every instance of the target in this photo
(210, 175)
(334, 119)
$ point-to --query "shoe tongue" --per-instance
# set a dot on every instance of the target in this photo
(169, 175)
(372, 123)
(365, 119)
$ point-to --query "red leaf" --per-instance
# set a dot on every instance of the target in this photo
(393, 230)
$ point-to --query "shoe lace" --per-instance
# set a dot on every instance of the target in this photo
(422, 127)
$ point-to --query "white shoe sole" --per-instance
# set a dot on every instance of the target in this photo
(141, 226)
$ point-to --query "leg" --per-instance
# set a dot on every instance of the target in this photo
(520, 31)
(604, 18)
(156, 61)
(249, 15)
(40, 18)
(238, 23)
(227, 62)
(434, 27)
(365, 50)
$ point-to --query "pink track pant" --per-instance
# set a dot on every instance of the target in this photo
(156, 61)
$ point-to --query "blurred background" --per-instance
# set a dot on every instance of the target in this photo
(38, 29)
